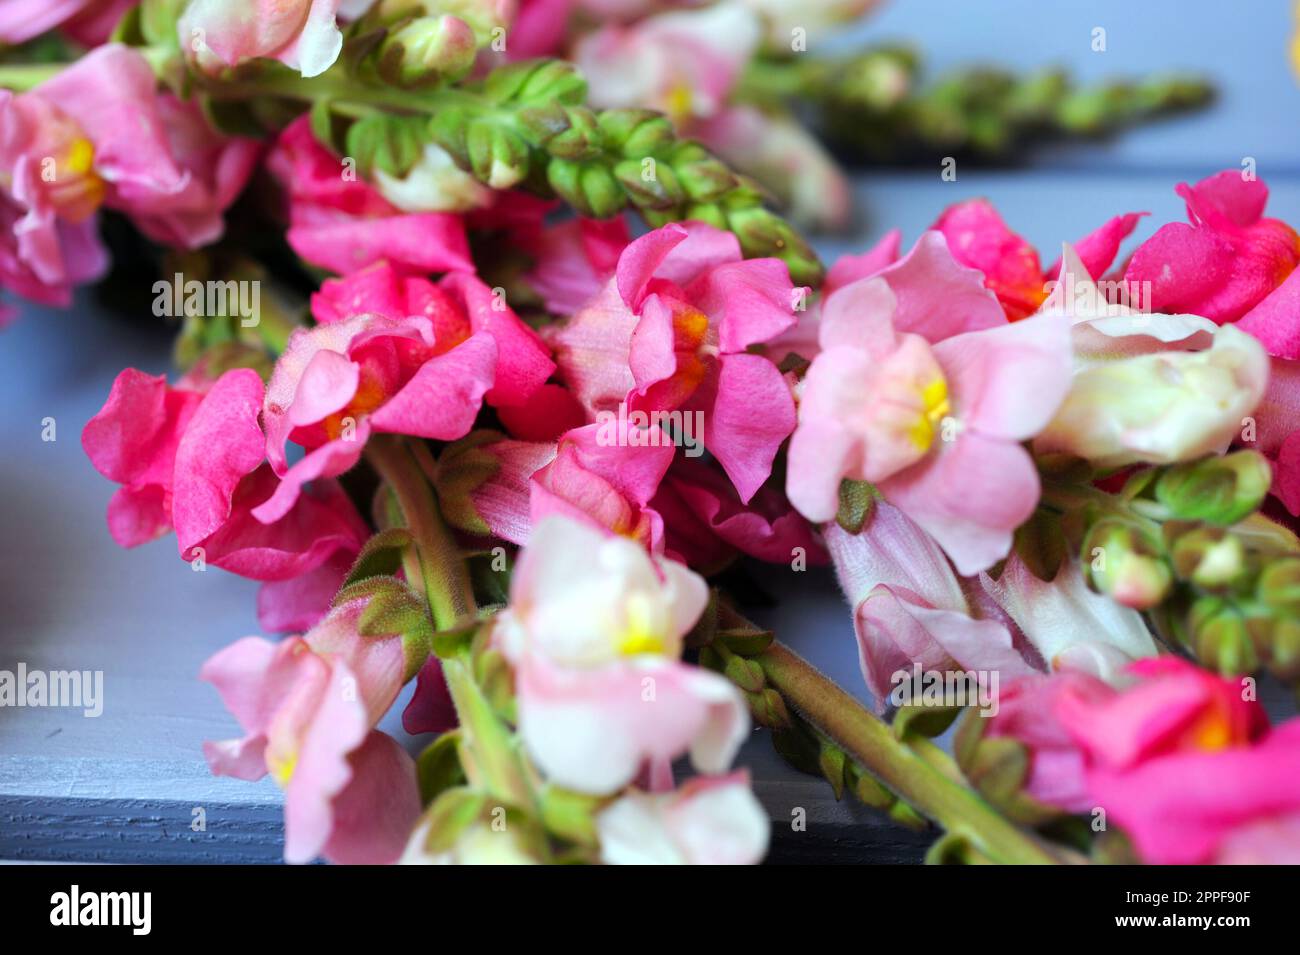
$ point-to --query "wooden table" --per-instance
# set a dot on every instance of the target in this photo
(123, 787)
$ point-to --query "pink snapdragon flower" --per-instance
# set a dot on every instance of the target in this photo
(594, 631)
(337, 383)
(979, 238)
(910, 608)
(923, 389)
(342, 223)
(1186, 763)
(302, 34)
(1057, 773)
(676, 329)
(89, 22)
(683, 63)
(709, 821)
(191, 457)
(606, 484)
(96, 135)
(1226, 261)
(308, 707)
(502, 487)
(707, 525)
(458, 306)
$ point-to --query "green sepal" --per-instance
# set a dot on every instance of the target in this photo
(380, 556)
(571, 815)
(857, 499)
(438, 767)
(391, 144)
(921, 720)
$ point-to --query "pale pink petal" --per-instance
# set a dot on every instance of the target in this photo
(591, 730)
(937, 297)
(374, 814)
(1007, 382)
(850, 268)
(970, 497)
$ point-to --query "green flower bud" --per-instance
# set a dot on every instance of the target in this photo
(1125, 564)
(427, 49)
(1218, 490)
(652, 136)
(449, 128)
(497, 155)
(619, 125)
(583, 139)
(705, 179)
(650, 184)
(1279, 585)
(1209, 557)
(589, 188)
(393, 144)
(534, 82)
(1280, 646)
(762, 233)
(541, 124)
(1220, 637)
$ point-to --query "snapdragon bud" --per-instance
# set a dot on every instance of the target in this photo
(1125, 564)
(1279, 586)
(1218, 490)
(1209, 557)
(1220, 637)
(429, 48)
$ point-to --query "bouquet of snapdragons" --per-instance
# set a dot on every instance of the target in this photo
(511, 456)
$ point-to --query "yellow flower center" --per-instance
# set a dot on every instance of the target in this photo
(281, 768)
(643, 627)
(75, 189)
(934, 408)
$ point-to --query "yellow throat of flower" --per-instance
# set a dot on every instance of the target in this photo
(934, 408)
(644, 628)
(75, 189)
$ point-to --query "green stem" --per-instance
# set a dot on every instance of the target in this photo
(442, 572)
(913, 778)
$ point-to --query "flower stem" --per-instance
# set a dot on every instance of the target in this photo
(442, 572)
(913, 778)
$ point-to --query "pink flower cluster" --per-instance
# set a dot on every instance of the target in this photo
(1184, 762)
(640, 411)
(101, 135)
